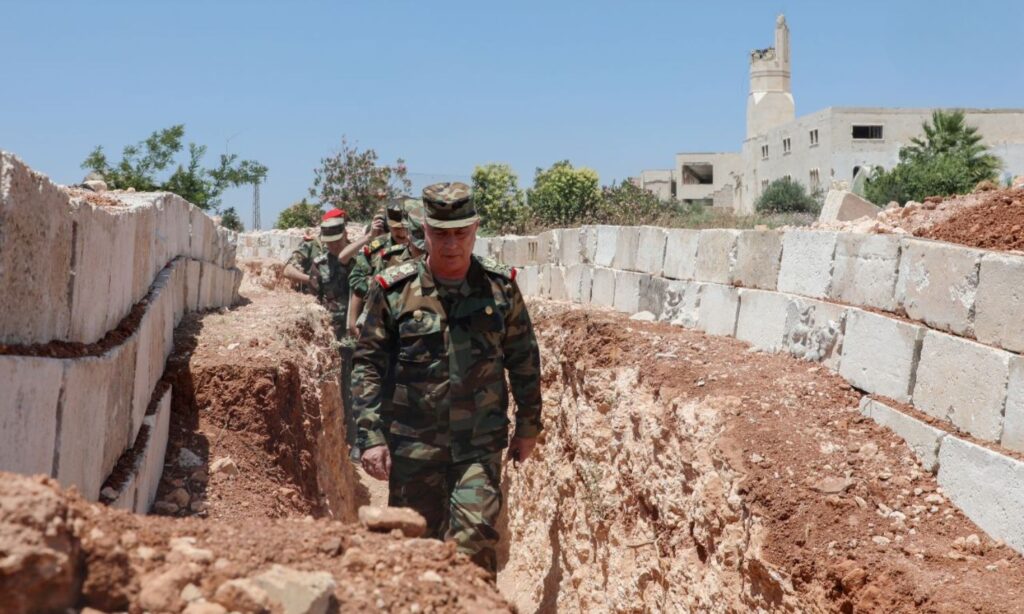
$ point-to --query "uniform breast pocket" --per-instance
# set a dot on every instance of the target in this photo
(420, 345)
(487, 331)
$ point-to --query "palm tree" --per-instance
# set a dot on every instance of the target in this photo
(949, 134)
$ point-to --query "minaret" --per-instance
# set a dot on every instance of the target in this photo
(770, 102)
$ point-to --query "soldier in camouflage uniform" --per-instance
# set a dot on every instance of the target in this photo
(299, 263)
(363, 269)
(439, 336)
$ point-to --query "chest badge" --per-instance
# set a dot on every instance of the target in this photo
(417, 315)
(489, 310)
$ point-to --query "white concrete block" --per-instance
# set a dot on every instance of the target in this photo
(653, 294)
(999, 304)
(208, 279)
(578, 282)
(1013, 421)
(570, 246)
(963, 382)
(880, 354)
(650, 255)
(96, 421)
(806, 267)
(528, 278)
(937, 284)
(603, 289)
(516, 251)
(203, 235)
(28, 412)
(761, 321)
(480, 248)
(844, 206)
(94, 308)
(606, 244)
(626, 246)
(153, 349)
(193, 277)
(178, 215)
(547, 247)
(151, 465)
(556, 289)
(588, 244)
(235, 284)
(758, 257)
(146, 264)
(865, 270)
(36, 244)
(814, 331)
(716, 255)
(682, 303)
(922, 438)
(179, 288)
(987, 486)
(681, 253)
(718, 310)
(627, 291)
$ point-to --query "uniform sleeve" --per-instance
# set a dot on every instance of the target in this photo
(358, 279)
(370, 365)
(522, 360)
(300, 258)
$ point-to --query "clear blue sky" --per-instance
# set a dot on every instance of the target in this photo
(616, 86)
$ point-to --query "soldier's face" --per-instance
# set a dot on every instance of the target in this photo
(335, 247)
(399, 235)
(451, 248)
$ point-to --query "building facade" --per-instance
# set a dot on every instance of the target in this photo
(817, 150)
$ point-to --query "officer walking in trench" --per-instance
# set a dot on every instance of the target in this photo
(439, 336)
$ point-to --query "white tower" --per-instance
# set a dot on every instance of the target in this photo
(770, 102)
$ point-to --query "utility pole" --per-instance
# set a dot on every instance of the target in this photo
(256, 204)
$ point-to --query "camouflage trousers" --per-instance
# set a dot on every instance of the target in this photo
(460, 501)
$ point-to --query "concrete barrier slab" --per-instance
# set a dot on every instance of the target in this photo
(627, 291)
(880, 354)
(179, 286)
(152, 351)
(602, 291)
(547, 247)
(145, 266)
(650, 255)
(815, 331)
(682, 303)
(718, 309)
(865, 270)
(94, 308)
(999, 304)
(922, 438)
(235, 284)
(36, 241)
(569, 246)
(681, 253)
(480, 247)
(1013, 423)
(588, 244)
(203, 234)
(716, 255)
(758, 257)
(556, 289)
(28, 412)
(627, 243)
(807, 257)
(208, 279)
(606, 243)
(151, 466)
(762, 318)
(963, 382)
(193, 276)
(528, 278)
(653, 294)
(937, 284)
(578, 282)
(987, 486)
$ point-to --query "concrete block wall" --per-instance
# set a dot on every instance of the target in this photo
(270, 244)
(843, 300)
(72, 271)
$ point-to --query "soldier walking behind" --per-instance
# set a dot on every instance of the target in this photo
(440, 334)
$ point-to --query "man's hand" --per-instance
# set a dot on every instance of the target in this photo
(377, 462)
(313, 282)
(378, 227)
(521, 448)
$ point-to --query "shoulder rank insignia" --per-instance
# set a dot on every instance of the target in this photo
(493, 266)
(392, 275)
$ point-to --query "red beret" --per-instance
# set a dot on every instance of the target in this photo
(333, 213)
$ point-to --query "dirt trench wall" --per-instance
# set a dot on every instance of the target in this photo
(930, 329)
(92, 286)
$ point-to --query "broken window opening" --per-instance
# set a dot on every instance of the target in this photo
(787, 146)
(698, 174)
(814, 137)
(867, 132)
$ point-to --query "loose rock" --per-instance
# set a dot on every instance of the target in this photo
(410, 522)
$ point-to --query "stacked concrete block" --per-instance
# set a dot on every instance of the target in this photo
(987, 486)
(937, 284)
(865, 270)
(650, 255)
(569, 246)
(203, 234)
(963, 382)
(653, 293)
(627, 291)
(716, 255)
(606, 241)
(588, 244)
(806, 267)
(101, 292)
(578, 282)
(758, 257)
(96, 420)
(880, 354)
(36, 244)
(814, 331)
(516, 251)
(1013, 421)
(554, 282)
(922, 438)
(528, 278)
(681, 253)
(146, 265)
(480, 247)
(602, 290)
(151, 462)
(547, 247)
(28, 412)
(193, 279)
(999, 304)
(719, 307)
(626, 244)
(153, 348)
(179, 286)
(682, 303)
(209, 279)
(762, 317)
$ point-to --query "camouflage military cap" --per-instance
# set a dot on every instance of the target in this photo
(394, 211)
(414, 216)
(449, 205)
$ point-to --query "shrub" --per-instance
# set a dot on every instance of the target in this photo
(498, 199)
(300, 215)
(786, 196)
(563, 194)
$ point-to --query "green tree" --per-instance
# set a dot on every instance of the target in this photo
(352, 180)
(786, 196)
(300, 215)
(627, 204)
(563, 194)
(949, 158)
(498, 198)
(230, 220)
(142, 164)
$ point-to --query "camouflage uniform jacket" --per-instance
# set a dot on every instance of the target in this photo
(392, 256)
(302, 257)
(332, 290)
(446, 366)
(362, 269)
